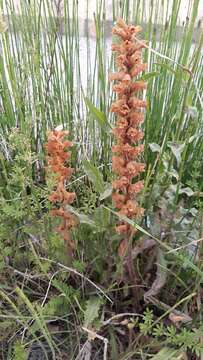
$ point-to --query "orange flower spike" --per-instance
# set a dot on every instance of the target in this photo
(127, 132)
(57, 157)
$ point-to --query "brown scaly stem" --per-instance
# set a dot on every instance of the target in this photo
(127, 132)
(133, 276)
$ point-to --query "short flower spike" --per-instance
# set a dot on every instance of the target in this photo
(57, 157)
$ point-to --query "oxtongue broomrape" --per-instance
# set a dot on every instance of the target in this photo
(57, 165)
(127, 149)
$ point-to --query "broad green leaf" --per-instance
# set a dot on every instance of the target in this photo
(174, 174)
(194, 212)
(98, 114)
(187, 190)
(149, 75)
(155, 147)
(92, 311)
(166, 67)
(84, 219)
(94, 175)
(195, 137)
(177, 150)
(167, 354)
(191, 111)
(107, 192)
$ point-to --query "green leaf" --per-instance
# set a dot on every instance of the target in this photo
(187, 190)
(191, 111)
(92, 311)
(167, 354)
(56, 306)
(113, 344)
(193, 137)
(84, 219)
(102, 218)
(98, 115)
(182, 258)
(37, 317)
(107, 192)
(177, 150)
(174, 173)
(149, 75)
(94, 175)
(166, 67)
(19, 352)
(155, 147)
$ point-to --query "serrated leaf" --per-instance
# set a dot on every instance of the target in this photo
(155, 147)
(101, 218)
(92, 311)
(66, 290)
(56, 306)
(94, 175)
(177, 150)
(19, 352)
(98, 115)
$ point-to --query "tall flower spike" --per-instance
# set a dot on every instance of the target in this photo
(57, 157)
(129, 115)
